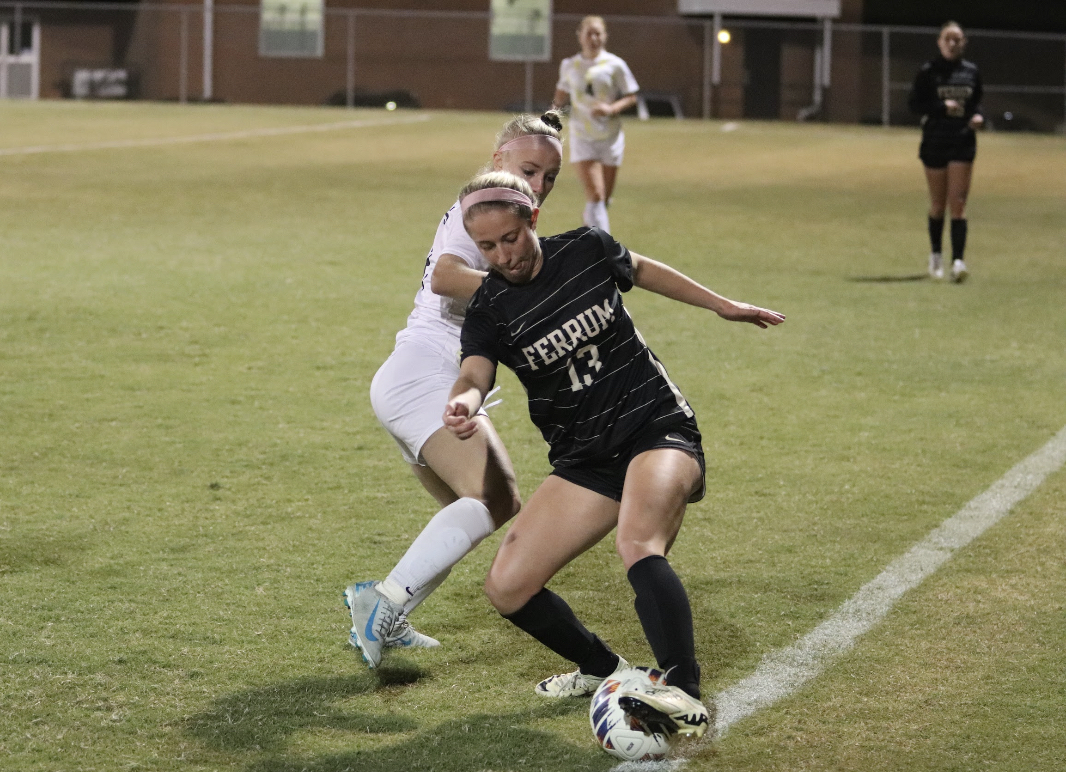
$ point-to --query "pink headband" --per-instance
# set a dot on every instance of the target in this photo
(506, 195)
(535, 138)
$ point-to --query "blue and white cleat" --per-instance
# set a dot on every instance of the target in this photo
(373, 617)
(404, 636)
(401, 636)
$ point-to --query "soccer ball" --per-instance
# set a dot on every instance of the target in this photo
(619, 734)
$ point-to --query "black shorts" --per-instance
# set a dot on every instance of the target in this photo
(937, 153)
(608, 480)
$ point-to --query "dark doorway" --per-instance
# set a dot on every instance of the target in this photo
(762, 68)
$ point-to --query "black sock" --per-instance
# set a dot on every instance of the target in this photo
(666, 617)
(936, 234)
(958, 239)
(550, 620)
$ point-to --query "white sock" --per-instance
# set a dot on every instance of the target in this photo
(588, 217)
(425, 591)
(599, 215)
(447, 538)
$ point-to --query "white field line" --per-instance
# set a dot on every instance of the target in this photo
(786, 670)
(277, 131)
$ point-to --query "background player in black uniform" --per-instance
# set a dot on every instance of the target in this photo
(947, 94)
(623, 441)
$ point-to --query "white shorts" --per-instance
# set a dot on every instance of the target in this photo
(410, 390)
(609, 152)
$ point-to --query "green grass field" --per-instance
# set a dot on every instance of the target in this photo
(190, 472)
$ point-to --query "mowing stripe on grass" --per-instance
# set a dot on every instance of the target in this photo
(784, 671)
(216, 137)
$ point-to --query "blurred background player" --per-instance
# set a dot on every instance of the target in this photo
(599, 87)
(474, 482)
(623, 442)
(947, 94)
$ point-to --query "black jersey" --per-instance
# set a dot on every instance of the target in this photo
(591, 381)
(942, 79)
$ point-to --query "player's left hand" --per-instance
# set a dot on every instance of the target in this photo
(977, 121)
(745, 312)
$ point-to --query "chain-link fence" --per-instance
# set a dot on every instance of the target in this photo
(439, 59)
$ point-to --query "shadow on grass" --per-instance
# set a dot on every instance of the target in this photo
(264, 718)
(497, 742)
(261, 722)
(31, 551)
(890, 279)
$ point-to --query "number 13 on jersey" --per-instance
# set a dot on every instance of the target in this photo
(592, 364)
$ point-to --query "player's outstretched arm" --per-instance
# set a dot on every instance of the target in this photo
(663, 280)
(476, 376)
(455, 279)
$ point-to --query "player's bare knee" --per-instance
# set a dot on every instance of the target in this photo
(505, 595)
(634, 550)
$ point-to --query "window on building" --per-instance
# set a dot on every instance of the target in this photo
(291, 28)
(19, 37)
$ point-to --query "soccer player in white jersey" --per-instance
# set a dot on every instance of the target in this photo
(599, 87)
(474, 482)
(623, 441)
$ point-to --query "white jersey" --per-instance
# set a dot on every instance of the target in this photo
(604, 79)
(436, 314)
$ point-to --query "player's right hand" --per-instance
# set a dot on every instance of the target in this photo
(458, 421)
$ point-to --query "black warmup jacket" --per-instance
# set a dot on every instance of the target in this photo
(941, 79)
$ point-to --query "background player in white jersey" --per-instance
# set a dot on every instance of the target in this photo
(624, 445)
(599, 87)
(474, 482)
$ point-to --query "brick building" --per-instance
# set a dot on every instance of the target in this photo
(437, 53)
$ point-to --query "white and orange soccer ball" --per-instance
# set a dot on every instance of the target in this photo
(619, 734)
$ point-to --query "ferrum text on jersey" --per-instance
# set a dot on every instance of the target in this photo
(564, 339)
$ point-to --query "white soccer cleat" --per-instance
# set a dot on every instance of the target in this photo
(576, 684)
(666, 707)
(402, 636)
(373, 618)
(958, 271)
(936, 265)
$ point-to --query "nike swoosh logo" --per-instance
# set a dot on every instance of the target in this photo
(369, 629)
(521, 327)
(673, 438)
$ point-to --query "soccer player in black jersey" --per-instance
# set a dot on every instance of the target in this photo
(623, 441)
(947, 94)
